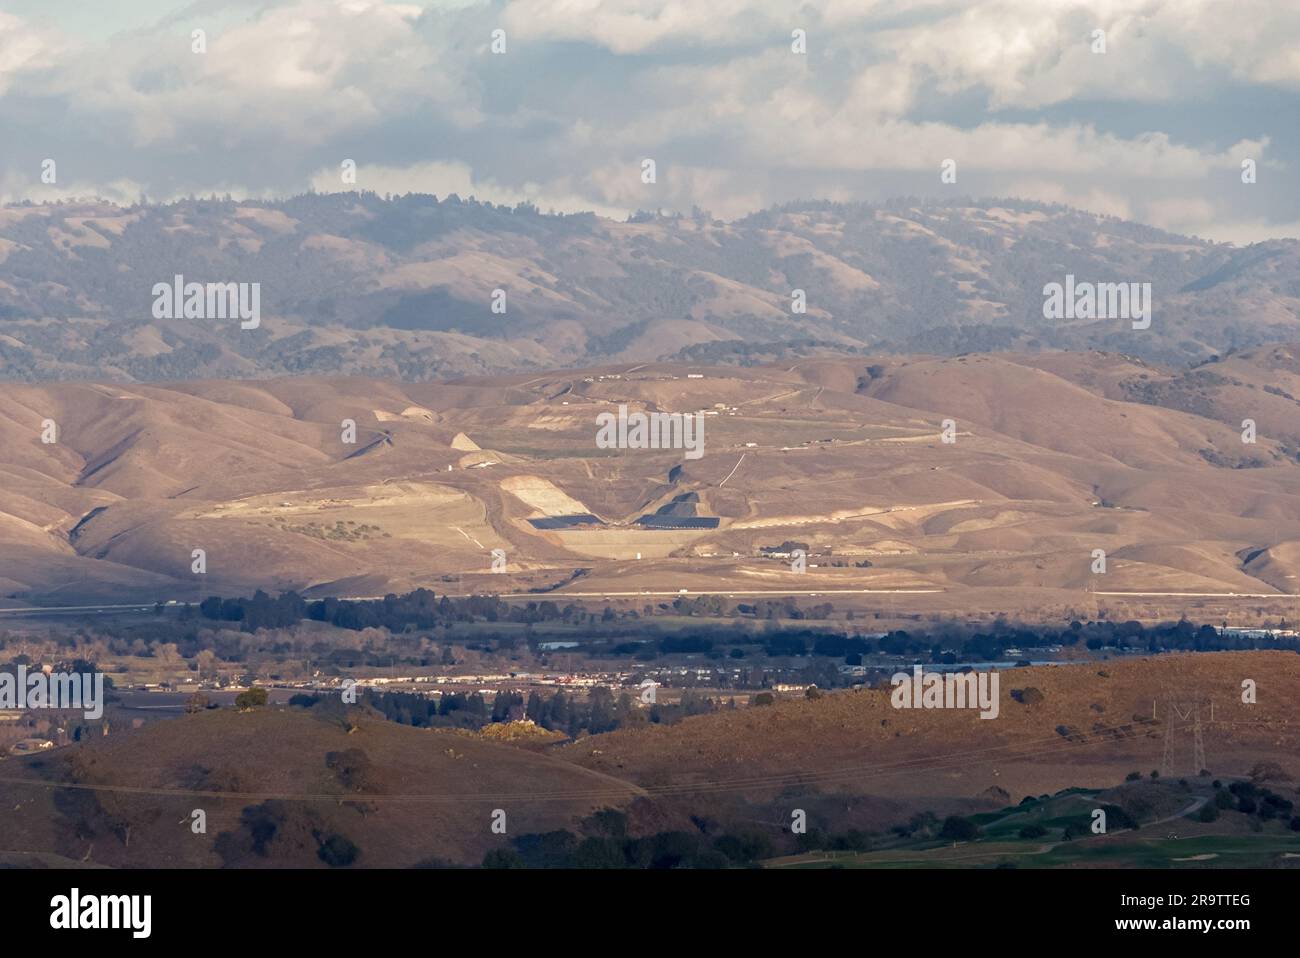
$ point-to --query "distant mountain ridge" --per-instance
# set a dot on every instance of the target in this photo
(405, 287)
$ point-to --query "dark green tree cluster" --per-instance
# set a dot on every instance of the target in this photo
(613, 849)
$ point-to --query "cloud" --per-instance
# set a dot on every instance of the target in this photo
(636, 26)
(443, 179)
(1155, 128)
(24, 47)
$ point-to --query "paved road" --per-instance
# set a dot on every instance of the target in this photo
(1207, 595)
(91, 609)
(561, 594)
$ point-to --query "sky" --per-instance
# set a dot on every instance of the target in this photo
(1015, 93)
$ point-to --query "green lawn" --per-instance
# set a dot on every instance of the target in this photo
(1000, 844)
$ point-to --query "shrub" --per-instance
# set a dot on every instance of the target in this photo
(1269, 772)
(1029, 696)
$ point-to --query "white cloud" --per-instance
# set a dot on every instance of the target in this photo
(302, 74)
(443, 179)
(634, 26)
(711, 91)
(24, 47)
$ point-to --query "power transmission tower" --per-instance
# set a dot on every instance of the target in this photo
(1198, 742)
(1185, 713)
(1167, 758)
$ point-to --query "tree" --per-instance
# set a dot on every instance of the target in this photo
(610, 821)
(1269, 771)
(598, 852)
(1029, 696)
(559, 713)
(251, 698)
(353, 769)
(502, 858)
(206, 660)
(854, 840)
(745, 847)
(337, 851)
(626, 711)
(263, 822)
(1119, 818)
(958, 829)
(602, 711)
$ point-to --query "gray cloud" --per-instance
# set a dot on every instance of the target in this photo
(1154, 129)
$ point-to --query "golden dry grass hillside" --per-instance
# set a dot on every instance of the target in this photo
(1088, 725)
(275, 784)
(350, 486)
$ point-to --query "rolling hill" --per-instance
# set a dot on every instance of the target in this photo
(276, 785)
(290, 787)
(855, 759)
(351, 486)
(405, 287)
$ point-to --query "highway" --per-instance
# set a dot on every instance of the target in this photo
(1203, 595)
(670, 594)
(73, 609)
(107, 609)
